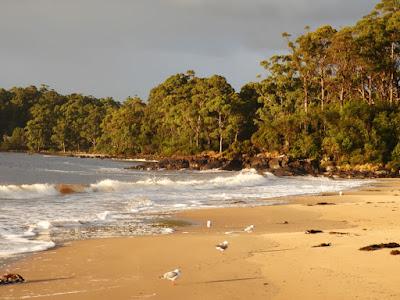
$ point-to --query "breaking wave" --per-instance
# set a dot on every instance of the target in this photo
(27, 191)
(246, 178)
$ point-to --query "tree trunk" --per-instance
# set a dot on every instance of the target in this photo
(220, 132)
(362, 89)
(370, 101)
(198, 132)
(391, 75)
(322, 92)
(341, 97)
(305, 87)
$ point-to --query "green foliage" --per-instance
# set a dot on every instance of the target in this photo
(122, 128)
(335, 96)
(17, 141)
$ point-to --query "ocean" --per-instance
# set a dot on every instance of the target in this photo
(46, 200)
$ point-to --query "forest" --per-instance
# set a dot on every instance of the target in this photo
(333, 96)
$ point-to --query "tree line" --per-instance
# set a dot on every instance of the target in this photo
(334, 96)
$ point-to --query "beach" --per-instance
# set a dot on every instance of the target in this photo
(276, 261)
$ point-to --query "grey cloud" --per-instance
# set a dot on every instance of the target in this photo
(122, 47)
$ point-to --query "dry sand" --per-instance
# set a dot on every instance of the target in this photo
(277, 261)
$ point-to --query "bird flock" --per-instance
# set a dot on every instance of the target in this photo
(222, 247)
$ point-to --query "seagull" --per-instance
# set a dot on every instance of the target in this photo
(208, 224)
(249, 229)
(222, 246)
(172, 275)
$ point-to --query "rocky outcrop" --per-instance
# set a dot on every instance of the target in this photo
(278, 165)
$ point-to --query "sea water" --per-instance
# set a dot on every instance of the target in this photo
(105, 199)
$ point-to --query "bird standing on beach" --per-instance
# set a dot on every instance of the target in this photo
(249, 229)
(222, 246)
(172, 275)
(208, 224)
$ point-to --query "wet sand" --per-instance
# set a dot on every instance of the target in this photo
(276, 261)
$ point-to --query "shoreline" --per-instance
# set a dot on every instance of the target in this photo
(176, 216)
(253, 266)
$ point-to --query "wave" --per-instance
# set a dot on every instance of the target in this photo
(27, 191)
(30, 191)
(12, 244)
(246, 178)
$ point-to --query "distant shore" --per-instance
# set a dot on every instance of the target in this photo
(277, 261)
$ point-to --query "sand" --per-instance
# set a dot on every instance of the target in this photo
(276, 261)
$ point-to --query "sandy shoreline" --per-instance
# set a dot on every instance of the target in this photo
(277, 261)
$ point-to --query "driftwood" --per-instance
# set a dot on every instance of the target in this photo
(395, 252)
(380, 246)
(322, 245)
(313, 231)
(11, 278)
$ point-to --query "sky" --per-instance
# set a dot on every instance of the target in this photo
(121, 48)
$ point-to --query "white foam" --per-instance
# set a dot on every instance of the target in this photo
(167, 231)
(246, 177)
(43, 224)
(27, 191)
(179, 205)
(108, 185)
(17, 244)
(103, 216)
(139, 204)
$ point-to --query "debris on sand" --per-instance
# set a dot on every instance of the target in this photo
(313, 231)
(322, 245)
(380, 246)
(321, 203)
(11, 278)
(395, 252)
(339, 233)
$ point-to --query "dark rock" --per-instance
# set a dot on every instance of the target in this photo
(258, 163)
(283, 172)
(395, 252)
(274, 164)
(213, 164)
(233, 165)
(198, 163)
(173, 164)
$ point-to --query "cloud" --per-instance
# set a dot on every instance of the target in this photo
(120, 47)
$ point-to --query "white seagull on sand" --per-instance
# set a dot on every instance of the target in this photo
(209, 224)
(172, 275)
(249, 228)
(222, 246)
